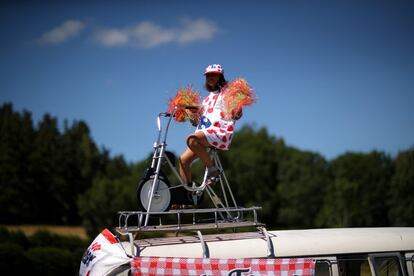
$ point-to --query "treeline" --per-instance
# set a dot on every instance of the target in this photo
(300, 189)
(40, 254)
(58, 176)
(44, 170)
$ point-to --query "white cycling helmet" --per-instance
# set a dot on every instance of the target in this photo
(214, 69)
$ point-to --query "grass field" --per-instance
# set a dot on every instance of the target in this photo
(77, 231)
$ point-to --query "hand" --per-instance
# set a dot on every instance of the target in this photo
(194, 121)
(237, 115)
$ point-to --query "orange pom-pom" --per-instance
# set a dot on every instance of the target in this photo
(236, 95)
(185, 97)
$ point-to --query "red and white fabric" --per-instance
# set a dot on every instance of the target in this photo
(103, 256)
(157, 266)
(217, 129)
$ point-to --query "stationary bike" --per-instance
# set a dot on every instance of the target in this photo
(156, 194)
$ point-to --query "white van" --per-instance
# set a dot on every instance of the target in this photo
(339, 251)
(335, 251)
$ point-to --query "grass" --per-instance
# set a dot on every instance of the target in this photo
(28, 230)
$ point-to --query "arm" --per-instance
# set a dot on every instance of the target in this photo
(196, 119)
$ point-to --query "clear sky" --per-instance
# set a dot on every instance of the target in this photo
(330, 76)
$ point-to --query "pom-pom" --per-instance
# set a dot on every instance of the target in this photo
(185, 97)
(236, 95)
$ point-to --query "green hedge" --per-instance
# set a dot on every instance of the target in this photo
(42, 253)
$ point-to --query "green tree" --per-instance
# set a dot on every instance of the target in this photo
(50, 175)
(43, 170)
(357, 196)
(48, 188)
(303, 180)
(252, 169)
(51, 261)
(12, 258)
(112, 167)
(16, 144)
(99, 205)
(80, 163)
(42, 253)
(288, 183)
(401, 192)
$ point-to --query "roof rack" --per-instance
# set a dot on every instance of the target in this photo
(262, 233)
(187, 220)
(131, 223)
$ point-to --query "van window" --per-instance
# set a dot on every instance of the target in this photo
(355, 265)
(387, 266)
(323, 268)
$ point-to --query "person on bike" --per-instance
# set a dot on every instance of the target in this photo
(213, 129)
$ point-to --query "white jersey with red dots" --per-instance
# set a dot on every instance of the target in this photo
(217, 129)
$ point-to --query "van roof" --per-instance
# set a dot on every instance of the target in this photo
(286, 243)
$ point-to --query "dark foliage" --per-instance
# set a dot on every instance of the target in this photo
(58, 175)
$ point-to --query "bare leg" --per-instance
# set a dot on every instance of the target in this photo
(198, 144)
(185, 161)
(197, 148)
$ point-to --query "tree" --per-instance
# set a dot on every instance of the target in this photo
(401, 192)
(16, 144)
(43, 171)
(80, 162)
(50, 175)
(252, 169)
(357, 197)
(99, 205)
(48, 187)
(303, 180)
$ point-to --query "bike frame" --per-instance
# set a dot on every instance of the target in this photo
(160, 146)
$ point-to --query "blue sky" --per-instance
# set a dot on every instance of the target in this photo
(330, 76)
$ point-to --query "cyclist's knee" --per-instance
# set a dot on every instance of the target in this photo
(192, 141)
(185, 160)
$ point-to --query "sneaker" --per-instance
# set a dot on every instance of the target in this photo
(213, 175)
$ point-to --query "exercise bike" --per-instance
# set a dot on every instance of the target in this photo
(156, 194)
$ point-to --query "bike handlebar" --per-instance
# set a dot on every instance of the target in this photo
(171, 115)
(168, 114)
(187, 107)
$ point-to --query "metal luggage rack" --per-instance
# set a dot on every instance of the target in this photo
(139, 245)
(132, 222)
